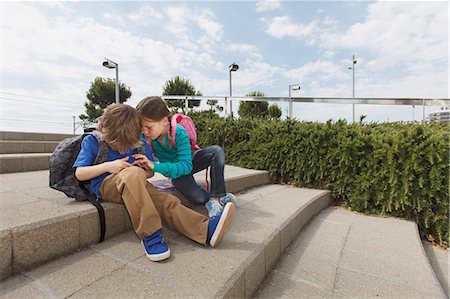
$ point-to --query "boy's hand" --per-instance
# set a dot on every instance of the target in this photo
(117, 165)
(143, 161)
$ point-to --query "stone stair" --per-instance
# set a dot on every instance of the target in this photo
(276, 246)
(21, 152)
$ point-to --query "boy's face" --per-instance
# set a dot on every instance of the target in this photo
(153, 129)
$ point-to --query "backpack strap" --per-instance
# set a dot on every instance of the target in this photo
(103, 149)
(102, 156)
(101, 215)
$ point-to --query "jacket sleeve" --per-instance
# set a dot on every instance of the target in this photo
(183, 164)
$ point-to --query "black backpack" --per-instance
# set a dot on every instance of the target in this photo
(62, 176)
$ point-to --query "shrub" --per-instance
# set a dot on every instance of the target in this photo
(398, 169)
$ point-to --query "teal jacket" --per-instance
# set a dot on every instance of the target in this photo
(174, 161)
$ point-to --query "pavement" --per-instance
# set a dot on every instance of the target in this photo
(342, 254)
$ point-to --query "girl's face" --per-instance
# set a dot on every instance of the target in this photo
(153, 129)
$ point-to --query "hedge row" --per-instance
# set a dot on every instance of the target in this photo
(397, 169)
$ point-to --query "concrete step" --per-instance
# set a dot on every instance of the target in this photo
(10, 163)
(267, 219)
(39, 224)
(26, 136)
(21, 151)
(343, 254)
(26, 147)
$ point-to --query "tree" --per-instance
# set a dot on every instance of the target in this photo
(254, 109)
(274, 112)
(101, 94)
(180, 86)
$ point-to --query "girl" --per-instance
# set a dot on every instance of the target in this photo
(179, 162)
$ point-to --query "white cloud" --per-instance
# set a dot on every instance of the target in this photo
(267, 5)
(328, 54)
(211, 28)
(145, 15)
(177, 19)
(280, 27)
(180, 20)
(397, 32)
(251, 50)
(62, 56)
(326, 70)
(329, 20)
(114, 17)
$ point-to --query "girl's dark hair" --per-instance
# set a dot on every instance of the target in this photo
(153, 108)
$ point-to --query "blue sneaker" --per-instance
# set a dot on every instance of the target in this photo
(155, 247)
(229, 197)
(217, 225)
(213, 206)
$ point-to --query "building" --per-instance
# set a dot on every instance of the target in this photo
(442, 115)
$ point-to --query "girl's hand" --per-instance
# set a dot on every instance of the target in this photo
(117, 165)
(143, 161)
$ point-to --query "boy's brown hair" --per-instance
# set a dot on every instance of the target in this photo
(120, 126)
(153, 108)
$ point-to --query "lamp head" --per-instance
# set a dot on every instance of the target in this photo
(233, 67)
(109, 64)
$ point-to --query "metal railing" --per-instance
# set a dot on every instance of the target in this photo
(322, 100)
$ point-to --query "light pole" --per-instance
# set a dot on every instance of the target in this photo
(353, 72)
(113, 65)
(292, 87)
(232, 68)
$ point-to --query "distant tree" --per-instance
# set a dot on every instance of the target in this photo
(178, 86)
(101, 94)
(254, 109)
(274, 112)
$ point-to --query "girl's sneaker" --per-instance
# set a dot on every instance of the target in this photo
(155, 247)
(229, 197)
(218, 225)
(213, 206)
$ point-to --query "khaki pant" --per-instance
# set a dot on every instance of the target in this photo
(148, 207)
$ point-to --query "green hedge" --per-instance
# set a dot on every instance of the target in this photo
(397, 169)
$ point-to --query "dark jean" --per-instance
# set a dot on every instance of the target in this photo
(213, 156)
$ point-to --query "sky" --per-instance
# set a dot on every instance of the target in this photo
(52, 51)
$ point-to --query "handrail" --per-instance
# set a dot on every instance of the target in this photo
(323, 100)
(326, 100)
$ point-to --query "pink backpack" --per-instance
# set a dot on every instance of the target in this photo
(188, 124)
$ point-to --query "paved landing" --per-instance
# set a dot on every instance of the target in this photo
(342, 254)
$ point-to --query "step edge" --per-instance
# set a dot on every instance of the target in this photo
(240, 274)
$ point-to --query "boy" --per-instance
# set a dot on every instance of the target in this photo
(123, 179)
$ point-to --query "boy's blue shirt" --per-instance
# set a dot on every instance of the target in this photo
(89, 151)
(174, 161)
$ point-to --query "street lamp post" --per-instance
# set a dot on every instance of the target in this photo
(232, 68)
(292, 87)
(113, 65)
(353, 72)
